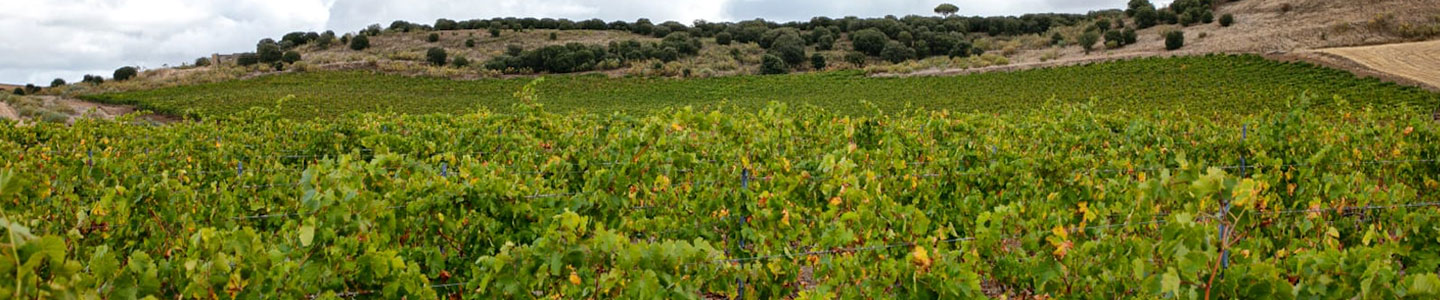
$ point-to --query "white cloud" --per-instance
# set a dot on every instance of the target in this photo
(44, 39)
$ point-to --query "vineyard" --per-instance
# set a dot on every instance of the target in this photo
(1202, 85)
(1068, 200)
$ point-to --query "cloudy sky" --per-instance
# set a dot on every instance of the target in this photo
(41, 40)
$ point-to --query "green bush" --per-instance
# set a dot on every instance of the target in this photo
(201, 62)
(1116, 36)
(817, 62)
(435, 56)
(18, 91)
(470, 43)
(856, 58)
(269, 51)
(57, 82)
(360, 42)
(789, 47)
(1136, 5)
(93, 79)
(247, 59)
(460, 62)
(433, 37)
(1146, 17)
(896, 52)
(554, 36)
(326, 39)
(290, 57)
(869, 41)
(514, 50)
(682, 43)
(1226, 20)
(1174, 40)
(771, 64)
(1057, 39)
(1130, 36)
(1087, 40)
(494, 31)
(125, 73)
(825, 42)
(724, 38)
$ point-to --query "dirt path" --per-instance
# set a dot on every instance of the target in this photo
(74, 109)
(7, 113)
(1419, 62)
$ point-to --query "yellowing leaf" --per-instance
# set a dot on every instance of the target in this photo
(1063, 248)
(1060, 232)
(307, 235)
(920, 257)
(574, 278)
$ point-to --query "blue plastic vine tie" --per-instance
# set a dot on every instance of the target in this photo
(443, 167)
(240, 169)
(89, 157)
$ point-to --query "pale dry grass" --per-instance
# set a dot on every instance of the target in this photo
(1414, 61)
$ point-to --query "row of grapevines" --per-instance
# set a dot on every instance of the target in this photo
(1066, 201)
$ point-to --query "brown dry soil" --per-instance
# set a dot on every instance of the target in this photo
(1265, 27)
(1418, 62)
(84, 109)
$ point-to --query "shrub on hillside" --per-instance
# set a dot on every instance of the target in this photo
(18, 91)
(201, 62)
(514, 50)
(856, 58)
(494, 31)
(1130, 36)
(723, 38)
(554, 36)
(1174, 40)
(325, 40)
(682, 42)
(1226, 20)
(789, 47)
(1057, 39)
(436, 56)
(960, 49)
(470, 43)
(57, 82)
(1116, 36)
(446, 24)
(290, 57)
(825, 42)
(817, 62)
(771, 64)
(360, 42)
(247, 59)
(125, 73)
(869, 41)
(896, 52)
(1136, 5)
(1087, 40)
(92, 79)
(460, 62)
(1146, 17)
(433, 37)
(1167, 16)
(269, 51)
